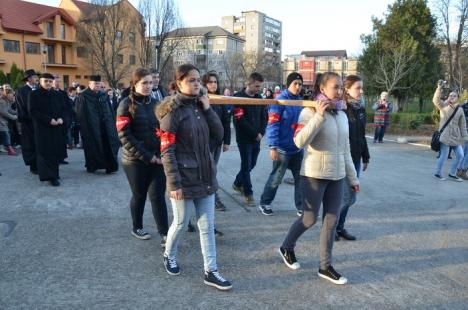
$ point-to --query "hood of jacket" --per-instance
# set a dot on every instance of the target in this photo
(172, 103)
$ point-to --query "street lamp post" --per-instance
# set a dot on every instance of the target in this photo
(44, 52)
(157, 45)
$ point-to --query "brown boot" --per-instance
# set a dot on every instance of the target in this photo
(11, 151)
(462, 174)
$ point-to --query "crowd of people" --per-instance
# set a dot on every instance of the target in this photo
(172, 143)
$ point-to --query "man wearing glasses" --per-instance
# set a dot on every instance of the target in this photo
(47, 110)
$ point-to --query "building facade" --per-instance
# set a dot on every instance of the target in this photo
(208, 48)
(44, 38)
(262, 34)
(311, 63)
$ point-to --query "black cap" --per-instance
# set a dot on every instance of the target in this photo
(95, 78)
(292, 77)
(47, 76)
(28, 73)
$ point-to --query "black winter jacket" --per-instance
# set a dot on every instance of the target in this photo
(137, 129)
(224, 114)
(186, 130)
(249, 120)
(357, 133)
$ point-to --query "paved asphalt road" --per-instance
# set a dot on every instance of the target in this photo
(70, 247)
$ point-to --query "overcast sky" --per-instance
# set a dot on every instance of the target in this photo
(307, 24)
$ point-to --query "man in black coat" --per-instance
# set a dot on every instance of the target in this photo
(28, 148)
(67, 117)
(98, 132)
(250, 122)
(157, 92)
(47, 110)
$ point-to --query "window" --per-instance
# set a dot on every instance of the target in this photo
(131, 37)
(50, 29)
(64, 55)
(50, 54)
(62, 31)
(132, 59)
(330, 66)
(86, 77)
(32, 48)
(11, 46)
(120, 58)
(81, 52)
(220, 52)
(77, 76)
(118, 35)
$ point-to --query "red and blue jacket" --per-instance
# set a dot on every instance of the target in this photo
(282, 124)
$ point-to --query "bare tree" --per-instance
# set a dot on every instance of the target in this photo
(160, 18)
(100, 31)
(454, 46)
(233, 66)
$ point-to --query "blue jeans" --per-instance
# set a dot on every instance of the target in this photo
(5, 138)
(182, 209)
(444, 150)
(464, 162)
(349, 198)
(284, 162)
(379, 133)
(248, 154)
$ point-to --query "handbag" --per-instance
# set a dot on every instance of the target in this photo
(435, 141)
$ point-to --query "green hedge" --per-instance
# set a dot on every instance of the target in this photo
(407, 120)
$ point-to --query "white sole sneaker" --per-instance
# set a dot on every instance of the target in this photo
(294, 266)
(455, 178)
(340, 281)
(145, 237)
(263, 212)
(440, 179)
(222, 288)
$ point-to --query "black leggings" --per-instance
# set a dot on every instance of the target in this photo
(143, 180)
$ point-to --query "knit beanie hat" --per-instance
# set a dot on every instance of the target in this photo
(292, 77)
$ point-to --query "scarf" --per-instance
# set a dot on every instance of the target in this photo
(339, 103)
(355, 104)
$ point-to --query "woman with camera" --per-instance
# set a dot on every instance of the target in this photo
(454, 135)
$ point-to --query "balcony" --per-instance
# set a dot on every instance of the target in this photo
(57, 40)
(54, 65)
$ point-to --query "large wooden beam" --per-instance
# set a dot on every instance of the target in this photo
(216, 99)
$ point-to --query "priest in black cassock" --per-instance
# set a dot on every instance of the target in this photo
(98, 132)
(28, 147)
(47, 111)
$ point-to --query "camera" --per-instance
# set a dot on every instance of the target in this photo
(445, 89)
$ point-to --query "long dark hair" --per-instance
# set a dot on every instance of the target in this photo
(206, 80)
(180, 73)
(137, 76)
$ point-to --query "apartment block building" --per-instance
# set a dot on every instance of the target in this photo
(43, 38)
(262, 34)
(311, 63)
(208, 48)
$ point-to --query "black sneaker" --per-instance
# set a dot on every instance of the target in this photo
(345, 235)
(331, 275)
(171, 266)
(140, 234)
(218, 233)
(163, 241)
(55, 182)
(220, 206)
(439, 177)
(289, 258)
(455, 178)
(266, 209)
(190, 227)
(237, 189)
(215, 279)
(64, 162)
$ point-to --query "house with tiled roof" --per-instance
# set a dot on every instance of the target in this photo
(43, 38)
